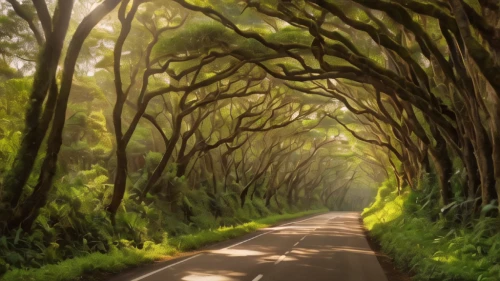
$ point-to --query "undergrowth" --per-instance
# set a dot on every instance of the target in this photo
(120, 258)
(73, 233)
(430, 245)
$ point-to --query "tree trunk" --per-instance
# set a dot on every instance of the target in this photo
(38, 198)
(121, 97)
(443, 166)
(494, 129)
(471, 169)
(35, 128)
(120, 181)
(164, 160)
(289, 195)
(269, 195)
(483, 152)
(244, 193)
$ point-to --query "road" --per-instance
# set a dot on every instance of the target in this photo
(329, 247)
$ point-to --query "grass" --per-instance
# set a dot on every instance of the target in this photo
(206, 237)
(433, 247)
(119, 259)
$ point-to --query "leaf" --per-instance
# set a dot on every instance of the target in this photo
(3, 242)
(448, 207)
(101, 247)
(490, 207)
(14, 258)
(18, 234)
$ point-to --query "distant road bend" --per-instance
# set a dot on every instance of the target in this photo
(329, 247)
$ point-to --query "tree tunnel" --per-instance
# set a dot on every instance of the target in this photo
(130, 115)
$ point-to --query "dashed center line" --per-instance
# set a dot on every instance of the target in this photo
(258, 277)
(275, 229)
(280, 259)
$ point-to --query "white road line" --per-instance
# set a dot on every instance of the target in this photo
(163, 268)
(302, 238)
(258, 277)
(267, 232)
(299, 221)
(287, 252)
(280, 259)
(296, 244)
(248, 240)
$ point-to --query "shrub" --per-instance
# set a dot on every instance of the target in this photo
(434, 250)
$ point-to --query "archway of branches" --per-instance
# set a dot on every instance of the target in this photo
(201, 110)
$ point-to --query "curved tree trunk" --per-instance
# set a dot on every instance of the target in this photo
(29, 209)
(35, 127)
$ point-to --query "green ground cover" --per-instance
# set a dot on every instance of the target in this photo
(120, 258)
(431, 245)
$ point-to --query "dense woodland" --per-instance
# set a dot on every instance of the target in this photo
(127, 121)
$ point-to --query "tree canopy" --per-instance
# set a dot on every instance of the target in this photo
(124, 117)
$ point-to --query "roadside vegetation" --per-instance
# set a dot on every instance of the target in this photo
(128, 124)
(125, 256)
(131, 130)
(431, 245)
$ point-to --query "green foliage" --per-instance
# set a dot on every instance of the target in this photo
(433, 249)
(290, 35)
(185, 208)
(7, 71)
(73, 225)
(119, 258)
(14, 96)
(196, 37)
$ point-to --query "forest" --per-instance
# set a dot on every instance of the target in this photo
(131, 130)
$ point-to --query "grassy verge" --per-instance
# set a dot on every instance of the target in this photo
(432, 247)
(119, 259)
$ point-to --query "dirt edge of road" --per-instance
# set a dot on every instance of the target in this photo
(386, 262)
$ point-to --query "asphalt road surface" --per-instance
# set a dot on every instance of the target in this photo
(329, 247)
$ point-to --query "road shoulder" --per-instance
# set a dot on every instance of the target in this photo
(131, 273)
(386, 262)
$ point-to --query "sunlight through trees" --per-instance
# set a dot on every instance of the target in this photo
(127, 121)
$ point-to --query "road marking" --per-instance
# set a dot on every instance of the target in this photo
(258, 277)
(163, 268)
(296, 244)
(287, 252)
(299, 221)
(302, 238)
(280, 259)
(248, 240)
(267, 232)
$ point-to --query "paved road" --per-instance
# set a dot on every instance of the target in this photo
(329, 247)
